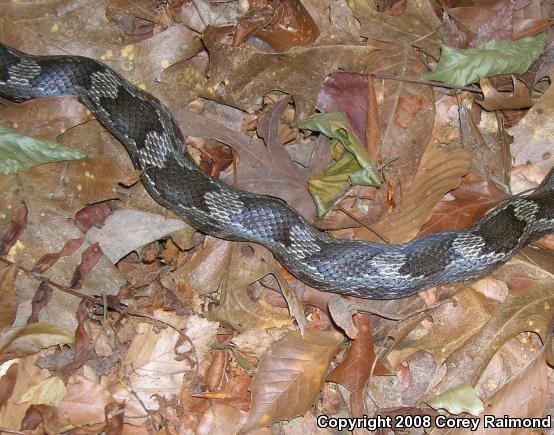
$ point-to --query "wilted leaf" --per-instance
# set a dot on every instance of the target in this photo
(19, 152)
(462, 67)
(241, 75)
(290, 376)
(7, 383)
(350, 168)
(458, 400)
(127, 230)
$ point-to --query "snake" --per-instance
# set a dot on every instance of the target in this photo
(156, 145)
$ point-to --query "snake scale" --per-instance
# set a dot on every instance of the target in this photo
(155, 143)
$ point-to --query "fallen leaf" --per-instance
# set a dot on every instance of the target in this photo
(125, 231)
(354, 371)
(232, 71)
(494, 100)
(19, 152)
(416, 26)
(523, 396)
(472, 199)
(462, 67)
(527, 308)
(290, 376)
(8, 310)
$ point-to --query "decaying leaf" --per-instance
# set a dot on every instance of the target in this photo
(290, 376)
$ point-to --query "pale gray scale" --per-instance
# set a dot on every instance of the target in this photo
(388, 263)
(104, 84)
(223, 203)
(303, 241)
(525, 210)
(23, 72)
(155, 150)
(468, 245)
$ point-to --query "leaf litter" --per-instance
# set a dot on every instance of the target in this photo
(119, 318)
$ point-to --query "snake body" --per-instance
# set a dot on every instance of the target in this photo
(156, 146)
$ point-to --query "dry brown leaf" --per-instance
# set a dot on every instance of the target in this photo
(84, 402)
(127, 230)
(494, 100)
(416, 26)
(528, 307)
(290, 376)
(153, 365)
(8, 310)
(472, 199)
(219, 419)
(241, 75)
(533, 134)
(284, 27)
(353, 372)
(248, 264)
(440, 171)
(451, 325)
(523, 396)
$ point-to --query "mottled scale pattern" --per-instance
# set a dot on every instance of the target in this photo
(156, 146)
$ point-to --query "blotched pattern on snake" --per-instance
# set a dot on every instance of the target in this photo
(153, 140)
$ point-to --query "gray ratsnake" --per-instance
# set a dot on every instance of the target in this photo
(155, 143)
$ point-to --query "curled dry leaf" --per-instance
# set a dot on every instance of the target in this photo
(494, 100)
(290, 376)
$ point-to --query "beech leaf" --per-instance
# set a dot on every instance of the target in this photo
(19, 152)
(290, 376)
(461, 67)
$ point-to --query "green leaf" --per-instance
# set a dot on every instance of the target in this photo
(19, 152)
(461, 67)
(352, 165)
(460, 399)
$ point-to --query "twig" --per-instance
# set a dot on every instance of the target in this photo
(428, 82)
(354, 218)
